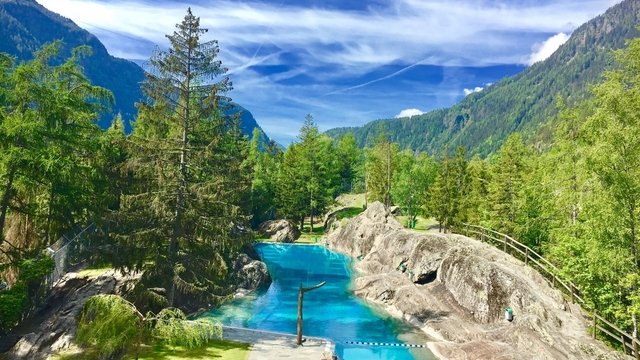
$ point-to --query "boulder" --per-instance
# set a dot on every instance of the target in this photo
(456, 289)
(252, 274)
(280, 230)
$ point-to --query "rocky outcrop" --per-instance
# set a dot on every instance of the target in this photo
(53, 327)
(252, 274)
(284, 231)
(456, 290)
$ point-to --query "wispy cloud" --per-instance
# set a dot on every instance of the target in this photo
(405, 31)
(284, 60)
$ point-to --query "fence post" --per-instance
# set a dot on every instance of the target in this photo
(504, 245)
(635, 348)
(624, 346)
(482, 235)
(595, 324)
(526, 257)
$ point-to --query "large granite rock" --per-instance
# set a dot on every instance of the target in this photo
(284, 231)
(456, 289)
(252, 274)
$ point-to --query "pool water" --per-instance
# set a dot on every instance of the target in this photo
(331, 311)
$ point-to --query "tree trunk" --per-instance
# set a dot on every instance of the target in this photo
(311, 220)
(50, 215)
(5, 201)
(182, 184)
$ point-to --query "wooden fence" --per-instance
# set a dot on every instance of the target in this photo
(509, 245)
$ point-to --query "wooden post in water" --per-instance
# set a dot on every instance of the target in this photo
(300, 299)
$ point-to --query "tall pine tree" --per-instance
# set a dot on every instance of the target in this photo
(182, 221)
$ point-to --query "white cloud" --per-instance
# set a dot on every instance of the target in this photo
(471, 91)
(409, 113)
(541, 51)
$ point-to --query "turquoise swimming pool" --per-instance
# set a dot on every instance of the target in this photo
(330, 312)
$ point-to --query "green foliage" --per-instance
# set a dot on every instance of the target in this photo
(380, 167)
(16, 301)
(110, 325)
(414, 177)
(264, 179)
(172, 327)
(505, 191)
(447, 198)
(309, 178)
(182, 216)
(50, 180)
(349, 159)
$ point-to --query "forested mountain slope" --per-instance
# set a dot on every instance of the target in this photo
(26, 25)
(525, 102)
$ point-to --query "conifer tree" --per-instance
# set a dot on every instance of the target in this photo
(459, 189)
(476, 201)
(182, 220)
(380, 168)
(506, 185)
(440, 198)
(349, 158)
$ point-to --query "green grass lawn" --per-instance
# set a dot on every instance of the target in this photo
(423, 224)
(220, 350)
(308, 237)
(94, 271)
(217, 349)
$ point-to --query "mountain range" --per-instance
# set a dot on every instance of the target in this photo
(26, 25)
(522, 103)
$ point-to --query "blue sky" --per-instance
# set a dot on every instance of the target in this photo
(346, 62)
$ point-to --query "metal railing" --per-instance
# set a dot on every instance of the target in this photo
(509, 245)
(66, 253)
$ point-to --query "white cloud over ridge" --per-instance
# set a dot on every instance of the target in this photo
(409, 113)
(471, 91)
(541, 51)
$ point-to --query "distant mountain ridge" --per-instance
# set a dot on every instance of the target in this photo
(26, 25)
(524, 102)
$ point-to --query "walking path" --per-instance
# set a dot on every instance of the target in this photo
(272, 345)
